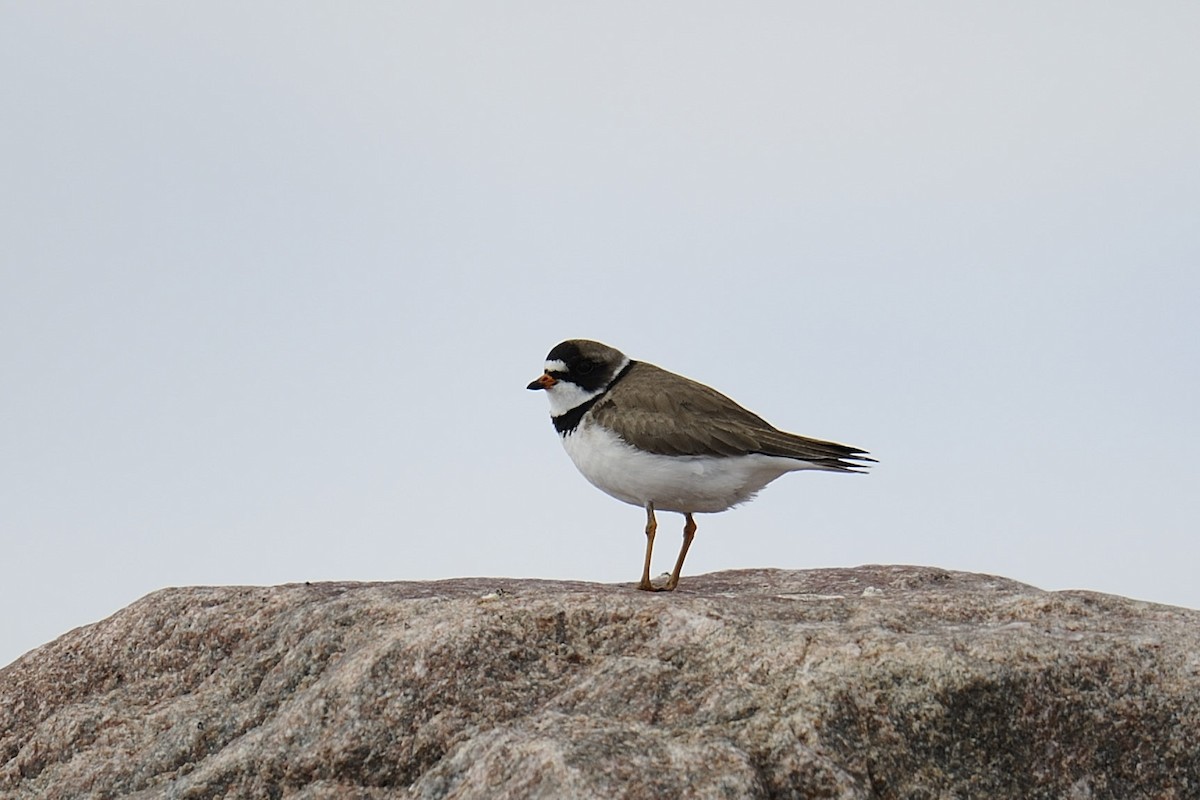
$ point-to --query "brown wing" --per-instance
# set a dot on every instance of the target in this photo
(667, 414)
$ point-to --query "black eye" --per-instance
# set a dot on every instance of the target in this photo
(584, 367)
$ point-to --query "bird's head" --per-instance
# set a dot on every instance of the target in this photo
(576, 371)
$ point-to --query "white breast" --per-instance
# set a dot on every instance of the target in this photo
(671, 483)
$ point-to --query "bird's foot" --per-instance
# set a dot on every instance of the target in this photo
(646, 586)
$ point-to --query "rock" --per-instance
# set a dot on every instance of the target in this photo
(875, 682)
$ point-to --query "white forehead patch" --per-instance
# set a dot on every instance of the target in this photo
(557, 365)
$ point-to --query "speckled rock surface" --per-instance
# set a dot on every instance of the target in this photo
(874, 682)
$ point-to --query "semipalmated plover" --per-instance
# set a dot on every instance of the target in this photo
(667, 443)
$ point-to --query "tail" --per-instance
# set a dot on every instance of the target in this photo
(829, 456)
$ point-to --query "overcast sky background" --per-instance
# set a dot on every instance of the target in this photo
(275, 276)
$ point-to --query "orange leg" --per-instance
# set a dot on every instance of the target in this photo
(689, 533)
(651, 527)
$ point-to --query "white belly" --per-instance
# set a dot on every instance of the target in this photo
(687, 484)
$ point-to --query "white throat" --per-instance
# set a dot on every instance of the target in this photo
(565, 395)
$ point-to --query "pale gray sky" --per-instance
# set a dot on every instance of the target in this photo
(275, 276)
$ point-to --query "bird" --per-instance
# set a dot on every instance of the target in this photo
(654, 439)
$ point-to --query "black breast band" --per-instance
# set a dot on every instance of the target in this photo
(568, 421)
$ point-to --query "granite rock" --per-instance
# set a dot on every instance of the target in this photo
(873, 682)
